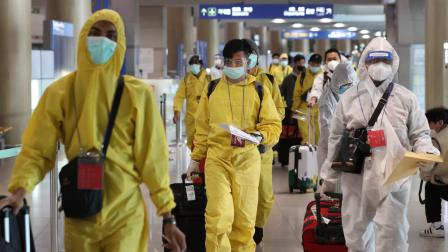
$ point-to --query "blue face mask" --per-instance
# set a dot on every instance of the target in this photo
(101, 49)
(195, 68)
(315, 70)
(253, 59)
(344, 87)
(234, 73)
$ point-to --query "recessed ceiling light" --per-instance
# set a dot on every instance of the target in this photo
(378, 34)
(352, 29)
(364, 31)
(339, 25)
(297, 25)
(278, 21)
(315, 29)
(325, 20)
(366, 36)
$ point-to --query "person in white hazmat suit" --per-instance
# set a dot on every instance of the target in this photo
(344, 77)
(374, 214)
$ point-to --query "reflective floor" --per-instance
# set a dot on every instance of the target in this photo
(282, 233)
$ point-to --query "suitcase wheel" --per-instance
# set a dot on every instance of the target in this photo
(291, 189)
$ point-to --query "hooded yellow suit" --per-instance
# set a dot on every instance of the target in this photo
(232, 174)
(137, 152)
(265, 191)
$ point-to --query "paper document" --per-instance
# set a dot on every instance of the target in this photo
(408, 166)
(239, 133)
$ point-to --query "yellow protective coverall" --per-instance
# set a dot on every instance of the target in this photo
(232, 174)
(265, 191)
(279, 72)
(301, 105)
(190, 88)
(137, 152)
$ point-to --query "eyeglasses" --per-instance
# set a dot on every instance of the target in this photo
(235, 62)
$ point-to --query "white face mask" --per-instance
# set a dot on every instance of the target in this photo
(218, 63)
(332, 64)
(379, 71)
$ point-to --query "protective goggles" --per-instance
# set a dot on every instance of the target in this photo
(235, 62)
(379, 56)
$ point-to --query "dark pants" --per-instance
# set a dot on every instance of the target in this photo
(433, 201)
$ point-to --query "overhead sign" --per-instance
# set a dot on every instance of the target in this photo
(325, 34)
(265, 11)
(62, 29)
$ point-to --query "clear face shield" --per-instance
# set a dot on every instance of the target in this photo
(379, 66)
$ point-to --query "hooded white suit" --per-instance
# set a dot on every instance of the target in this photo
(367, 201)
(344, 73)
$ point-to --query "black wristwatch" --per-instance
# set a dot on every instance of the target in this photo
(169, 220)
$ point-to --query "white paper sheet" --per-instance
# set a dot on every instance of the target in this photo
(239, 133)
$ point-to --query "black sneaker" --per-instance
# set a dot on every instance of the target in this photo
(258, 236)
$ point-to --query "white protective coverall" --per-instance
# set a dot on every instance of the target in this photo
(344, 73)
(369, 206)
(319, 84)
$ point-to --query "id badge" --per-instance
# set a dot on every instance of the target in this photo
(237, 141)
(90, 171)
(376, 138)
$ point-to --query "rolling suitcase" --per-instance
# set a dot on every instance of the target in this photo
(189, 212)
(302, 166)
(15, 230)
(322, 226)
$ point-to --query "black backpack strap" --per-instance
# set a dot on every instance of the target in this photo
(326, 79)
(113, 113)
(302, 78)
(260, 92)
(270, 77)
(381, 105)
(211, 87)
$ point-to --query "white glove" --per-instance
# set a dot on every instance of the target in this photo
(257, 135)
(192, 167)
(327, 186)
(426, 169)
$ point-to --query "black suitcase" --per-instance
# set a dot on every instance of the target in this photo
(15, 230)
(189, 212)
(332, 232)
(290, 136)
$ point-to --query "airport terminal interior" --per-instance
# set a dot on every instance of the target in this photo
(165, 41)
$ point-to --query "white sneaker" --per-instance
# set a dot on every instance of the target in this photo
(434, 230)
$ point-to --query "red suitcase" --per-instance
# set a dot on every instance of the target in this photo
(319, 236)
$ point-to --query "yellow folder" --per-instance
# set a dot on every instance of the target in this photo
(408, 166)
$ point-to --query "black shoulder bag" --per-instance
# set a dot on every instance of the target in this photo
(79, 198)
(354, 147)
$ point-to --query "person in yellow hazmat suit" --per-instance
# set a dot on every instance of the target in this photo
(281, 70)
(137, 153)
(265, 190)
(304, 84)
(190, 88)
(232, 168)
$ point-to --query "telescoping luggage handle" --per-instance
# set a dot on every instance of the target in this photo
(8, 214)
(311, 128)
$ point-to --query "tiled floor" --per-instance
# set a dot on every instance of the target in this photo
(282, 234)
